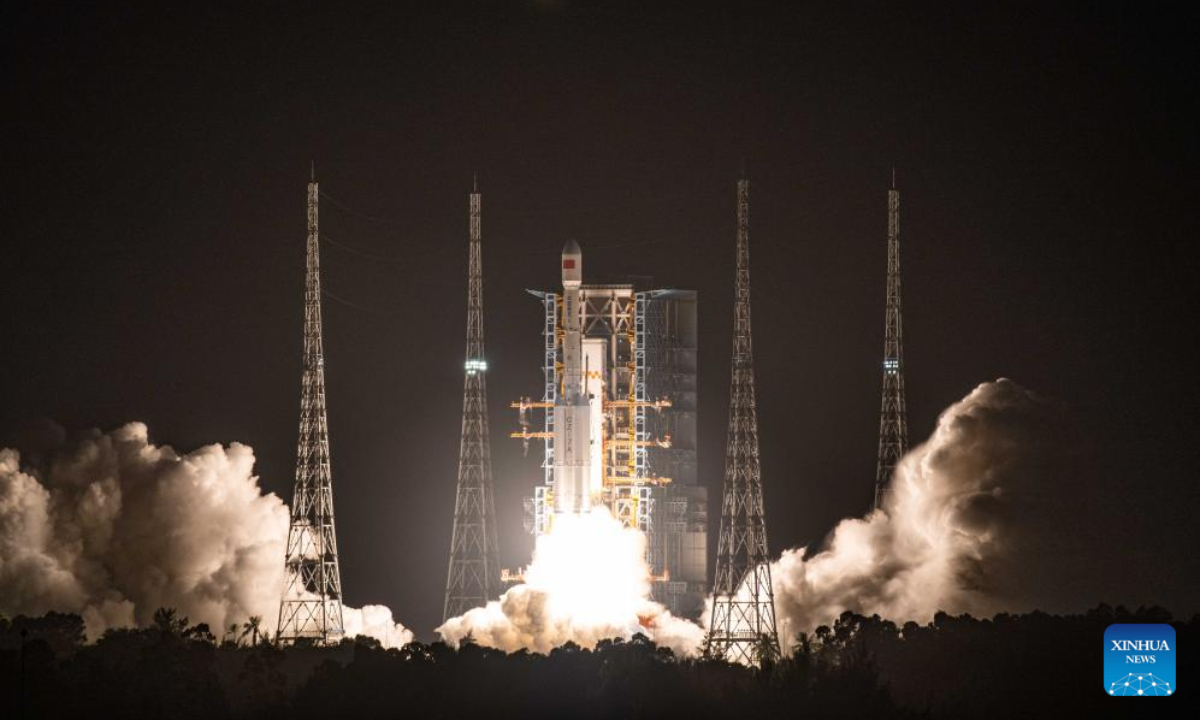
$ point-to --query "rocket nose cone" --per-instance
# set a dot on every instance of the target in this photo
(572, 263)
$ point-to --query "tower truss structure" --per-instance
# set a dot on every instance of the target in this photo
(639, 350)
(893, 415)
(311, 608)
(742, 625)
(474, 573)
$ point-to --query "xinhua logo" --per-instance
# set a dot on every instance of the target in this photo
(1139, 660)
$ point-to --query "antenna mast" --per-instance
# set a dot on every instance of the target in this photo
(474, 574)
(743, 613)
(893, 419)
(311, 608)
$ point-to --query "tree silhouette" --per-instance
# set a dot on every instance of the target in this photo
(231, 636)
(168, 622)
(252, 627)
(953, 667)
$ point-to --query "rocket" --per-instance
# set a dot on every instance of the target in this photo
(572, 407)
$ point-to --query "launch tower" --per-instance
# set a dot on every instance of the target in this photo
(619, 395)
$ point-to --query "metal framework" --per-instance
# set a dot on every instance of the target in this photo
(626, 339)
(474, 574)
(624, 318)
(550, 365)
(538, 509)
(743, 612)
(893, 415)
(641, 323)
(311, 608)
(648, 322)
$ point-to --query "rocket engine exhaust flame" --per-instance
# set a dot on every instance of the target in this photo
(588, 581)
(116, 527)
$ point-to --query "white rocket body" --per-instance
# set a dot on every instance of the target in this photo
(572, 409)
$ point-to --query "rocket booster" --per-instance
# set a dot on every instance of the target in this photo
(572, 410)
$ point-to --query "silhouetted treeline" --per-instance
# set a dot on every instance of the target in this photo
(955, 667)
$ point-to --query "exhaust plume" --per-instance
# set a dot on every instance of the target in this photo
(984, 517)
(116, 527)
(588, 581)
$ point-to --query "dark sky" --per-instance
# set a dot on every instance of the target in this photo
(153, 220)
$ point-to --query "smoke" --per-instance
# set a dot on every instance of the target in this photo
(588, 581)
(993, 513)
(116, 527)
(375, 621)
(986, 516)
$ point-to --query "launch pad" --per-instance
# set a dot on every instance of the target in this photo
(619, 422)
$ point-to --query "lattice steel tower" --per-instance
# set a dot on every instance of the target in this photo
(311, 608)
(743, 615)
(474, 574)
(893, 417)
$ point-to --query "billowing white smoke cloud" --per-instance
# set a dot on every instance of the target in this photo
(588, 581)
(376, 621)
(983, 517)
(118, 527)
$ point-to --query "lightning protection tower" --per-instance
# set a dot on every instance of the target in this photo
(743, 613)
(474, 574)
(893, 421)
(311, 608)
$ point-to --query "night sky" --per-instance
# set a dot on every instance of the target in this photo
(154, 223)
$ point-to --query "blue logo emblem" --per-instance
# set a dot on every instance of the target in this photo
(1139, 660)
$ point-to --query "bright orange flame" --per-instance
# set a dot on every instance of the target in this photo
(588, 581)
